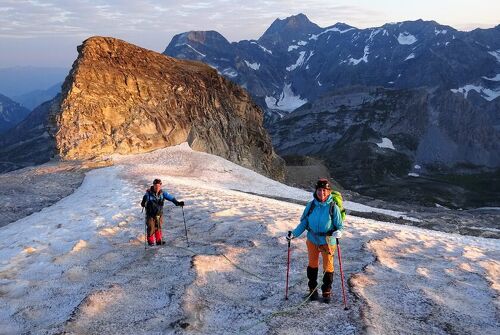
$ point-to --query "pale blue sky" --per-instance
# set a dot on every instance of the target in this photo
(46, 32)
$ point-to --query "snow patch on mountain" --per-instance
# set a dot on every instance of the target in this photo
(495, 78)
(199, 53)
(254, 66)
(334, 29)
(298, 63)
(298, 45)
(406, 38)
(410, 56)
(495, 54)
(229, 72)
(386, 143)
(287, 100)
(353, 61)
(373, 33)
(260, 46)
(309, 57)
(437, 31)
(486, 93)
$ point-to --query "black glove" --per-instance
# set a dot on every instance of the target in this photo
(179, 203)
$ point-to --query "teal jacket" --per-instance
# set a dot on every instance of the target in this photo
(320, 221)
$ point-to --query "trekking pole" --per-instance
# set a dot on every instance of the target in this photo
(158, 221)
(145, 235)
(341, 275)
(185, 227)
(288, 265)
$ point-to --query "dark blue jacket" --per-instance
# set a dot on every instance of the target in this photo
(154, 201)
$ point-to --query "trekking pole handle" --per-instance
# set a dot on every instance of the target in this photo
(289, 235)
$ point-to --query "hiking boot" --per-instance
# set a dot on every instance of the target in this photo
(326, 288)
(313, 295)
(151, 244)
(160, 242)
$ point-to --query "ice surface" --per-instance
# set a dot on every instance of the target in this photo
(79, 266)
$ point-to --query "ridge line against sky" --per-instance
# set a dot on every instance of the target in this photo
(46, 32)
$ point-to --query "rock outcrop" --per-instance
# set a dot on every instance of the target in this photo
(120, 98)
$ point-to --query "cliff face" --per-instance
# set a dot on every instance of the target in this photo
(119, 98)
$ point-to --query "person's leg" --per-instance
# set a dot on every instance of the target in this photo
(312, 268)
(151, 224)
(327, 253)
(158, 233)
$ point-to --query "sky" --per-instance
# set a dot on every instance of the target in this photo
(47, 32)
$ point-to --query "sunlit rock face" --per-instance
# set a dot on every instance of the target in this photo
(120, 98)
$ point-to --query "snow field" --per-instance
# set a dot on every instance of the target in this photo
(84, 268)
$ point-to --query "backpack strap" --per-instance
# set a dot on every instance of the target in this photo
(331, 210)
(311, 208)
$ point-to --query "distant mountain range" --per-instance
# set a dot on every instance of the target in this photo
(295, 61)
(401, 111)
(11, 113)
(34, 98)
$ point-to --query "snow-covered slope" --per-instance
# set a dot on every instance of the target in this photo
(80, 266)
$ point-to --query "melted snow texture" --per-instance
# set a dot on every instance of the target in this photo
(84, 268)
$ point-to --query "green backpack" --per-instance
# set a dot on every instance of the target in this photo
(337, 197)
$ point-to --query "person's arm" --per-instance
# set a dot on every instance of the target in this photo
(171, 198)
(144, 200)
(303, 222)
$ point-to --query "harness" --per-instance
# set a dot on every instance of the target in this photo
(331, 210)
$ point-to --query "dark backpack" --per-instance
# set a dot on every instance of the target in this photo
(154, 205)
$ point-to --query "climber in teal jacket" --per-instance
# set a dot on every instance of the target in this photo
(323, 222)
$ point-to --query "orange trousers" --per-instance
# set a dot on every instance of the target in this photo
(327, 252)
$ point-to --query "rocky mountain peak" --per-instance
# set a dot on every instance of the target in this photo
(120, 98)
(202, 37)
(290, 28)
